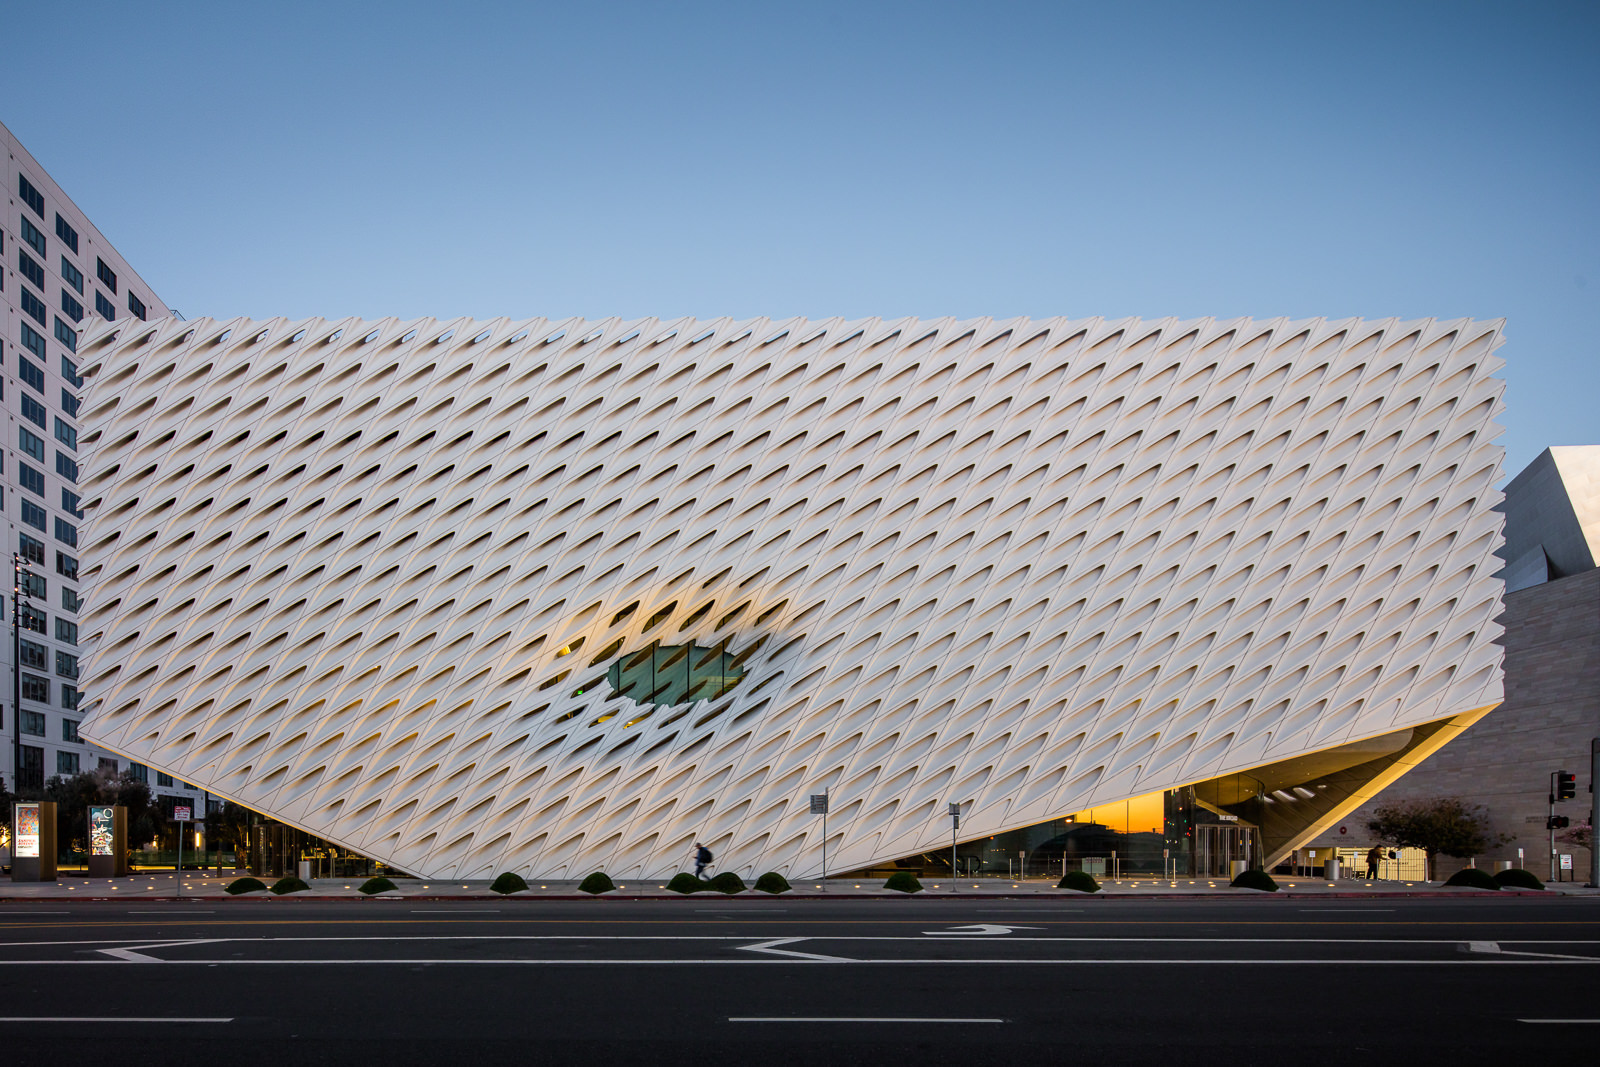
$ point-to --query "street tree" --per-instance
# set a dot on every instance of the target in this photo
(1435, 825)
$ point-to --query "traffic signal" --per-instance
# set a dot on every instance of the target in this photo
(1566, 785)
(1557, 822)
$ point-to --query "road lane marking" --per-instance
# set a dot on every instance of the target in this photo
(1011, 961)
(771, 947)
(107, 1019)
(1561, 1022)
(1343, 911)
(455, 911)
(131, 954)
(846, 1019)
(979, 930)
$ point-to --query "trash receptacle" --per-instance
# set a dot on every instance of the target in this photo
(305, 870)
(1237, 867)
(1330, 870)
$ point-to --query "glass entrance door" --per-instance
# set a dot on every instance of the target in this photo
(1216, 846)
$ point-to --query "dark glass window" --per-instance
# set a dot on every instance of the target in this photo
(70, 600)
(33, 723)
(30, 268)
(66, 434)
(72, 274)
(66, 763)
(35, 688)
(33, 515)
(35, 655)
(67, 335)
(30, 548)
(30, 196)
(138, 772)
(665, 675)
(35, 412)
(163, 778)
(107, 764)
(66, 533)
(66, 631)
(31, 234)
(71, 306)
(107, 276)
(67, 467)
(35, 307)
(35, 585)
(71, 504)
(65, 231)
(31, 443)
(69, 403)
(35, 620)
(69, 731)
(69, 371)
(66, 665)
(104, 308)
(32, 373)
(32, 479)
(69, 700)
(32, 773)
(32, 340)
(135, 305)
(67, 567)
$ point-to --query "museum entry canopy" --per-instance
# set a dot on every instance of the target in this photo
(553, 596)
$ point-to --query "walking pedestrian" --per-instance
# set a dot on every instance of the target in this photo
(702, 859)
(1374, 858)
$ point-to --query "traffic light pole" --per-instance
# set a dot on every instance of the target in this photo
(1550, 824)
(1594, 812)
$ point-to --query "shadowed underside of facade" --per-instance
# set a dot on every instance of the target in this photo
(556, 596)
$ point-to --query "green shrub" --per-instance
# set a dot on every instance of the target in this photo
(772, 882)
(375, 885)
(1255, 878)
(288, 884)
(903, 882)
(1472, 878)
(1082, 881)
(686, 883)
(1517, 878)
(727, 882)
(596, 884)
(244, 885)
(508, 883)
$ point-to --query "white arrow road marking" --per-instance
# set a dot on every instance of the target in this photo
(133, 955)
(771, 947)
(979, 930)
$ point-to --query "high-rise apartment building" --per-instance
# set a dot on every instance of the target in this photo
(59, 271)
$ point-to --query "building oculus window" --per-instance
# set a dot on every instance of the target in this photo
(32, 340)
(71, 307)
(66, 533)
(34, 238)
(104, 308)
(66, 763)
(31, 373)
(65, 231)
(30, 268)
(66, 434)
(30, 196)
(35, 413)
(135, 305)
(107, 276)
(31, 548)
(67, 467)
(32, 723)
(34, 515)
(35, 307)
(35, 688)
(66, 335)
(72, 274)
(32, 480)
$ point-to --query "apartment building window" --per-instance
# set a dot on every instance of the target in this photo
(66, 533)
(69, 371)
(69, 403)
(66, 334)
(32, 723)
(107, 276)
(30, 442)
(66, 433)
(34, 238)
(69, 731)
(33, 340)
(70, 601)
(30, 196)
(108, 765)
(32, 480)
(30, 268)
(31, 373)
(70, 696)
(104, 308)
(31, 548)
(138, 772)
(65, 231)
(34, 515)
(71, 504)
(66, 665)
(35, 688)
(135, 305)
(35, 655)
(35, 620)
(32, 773)
(71, 307)
(36, 585)
(163, 779)
(67, 467)
(67, 631)
(66, 763)
(35, 307)
(72, 274)
(34, 412)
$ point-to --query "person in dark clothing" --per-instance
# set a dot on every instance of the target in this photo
(702, 859)
(1374, 858)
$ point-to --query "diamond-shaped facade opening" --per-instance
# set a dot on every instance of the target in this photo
(668, 675)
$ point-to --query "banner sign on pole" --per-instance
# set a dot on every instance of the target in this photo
(819, 803)
(102, 823)
(27, 833)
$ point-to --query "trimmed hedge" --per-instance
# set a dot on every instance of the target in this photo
(1082, 881)
(376, 885)
(508, 883)
(244, 885)
(1255, 878)
(1472, 878)
(1517, 878)
(772, 882)
(727, 882)
(596, 884)
(903, 882)
(686, 883)
(288, 884)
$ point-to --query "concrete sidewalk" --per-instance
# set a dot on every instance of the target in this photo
(167, 885)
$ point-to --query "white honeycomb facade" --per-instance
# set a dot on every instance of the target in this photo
(1026, 566)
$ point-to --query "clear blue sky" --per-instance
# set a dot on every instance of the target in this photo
(870, 158)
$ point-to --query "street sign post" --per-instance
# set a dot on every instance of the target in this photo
(955, 824)
(180, 815)
(819, 806)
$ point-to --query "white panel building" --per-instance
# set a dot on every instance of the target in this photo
(559, 596)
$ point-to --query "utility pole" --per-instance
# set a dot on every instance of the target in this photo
(1594, 812)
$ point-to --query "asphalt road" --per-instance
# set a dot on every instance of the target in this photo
(1266, 981)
